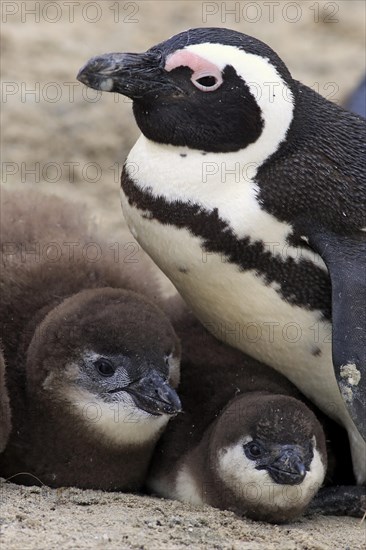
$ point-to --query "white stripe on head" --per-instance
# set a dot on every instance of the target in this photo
(267, 87)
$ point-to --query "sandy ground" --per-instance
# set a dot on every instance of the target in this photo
(68, 140)
(34, 518)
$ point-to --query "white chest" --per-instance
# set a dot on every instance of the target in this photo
(239, 308)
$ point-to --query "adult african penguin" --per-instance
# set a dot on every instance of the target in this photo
(247, 189)
(91, 364)
(247, 440)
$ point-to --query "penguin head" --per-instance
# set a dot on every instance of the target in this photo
(212, 89)
(269, 456)
(111, 358)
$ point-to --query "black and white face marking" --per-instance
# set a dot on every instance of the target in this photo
(220, 91)
(117, 399)
(286, 464)
(277, 446)
(119, 378)
(237, 470)
(220, 112)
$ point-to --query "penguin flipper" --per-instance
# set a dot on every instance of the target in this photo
(345, 258)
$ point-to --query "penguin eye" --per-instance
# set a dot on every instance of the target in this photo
(207, 82)
(104, 367)
(253, 450)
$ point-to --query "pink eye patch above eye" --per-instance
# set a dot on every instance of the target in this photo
(201, 67)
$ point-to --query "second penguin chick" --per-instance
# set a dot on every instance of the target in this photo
(245, 443)
(91, 364)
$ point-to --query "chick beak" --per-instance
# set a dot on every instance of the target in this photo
(288, 467)
(154, 395)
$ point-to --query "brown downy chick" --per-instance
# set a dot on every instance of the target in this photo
(91, 365)
(246, 442)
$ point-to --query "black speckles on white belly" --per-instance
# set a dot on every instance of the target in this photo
(300, 283)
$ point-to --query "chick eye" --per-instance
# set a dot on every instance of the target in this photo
(104, 367)
(207, 83)
(253, 450)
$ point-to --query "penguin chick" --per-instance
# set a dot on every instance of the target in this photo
(245, 443)
(5, 418)
(91, 369)
(250, 196)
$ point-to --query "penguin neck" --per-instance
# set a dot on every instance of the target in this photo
(180, 172)
(159, 178)
(222, 182)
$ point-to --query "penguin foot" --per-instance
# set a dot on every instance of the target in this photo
(340, 500)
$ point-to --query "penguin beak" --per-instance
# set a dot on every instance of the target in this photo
(288, 467)
(131, 74)
(154, 395)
